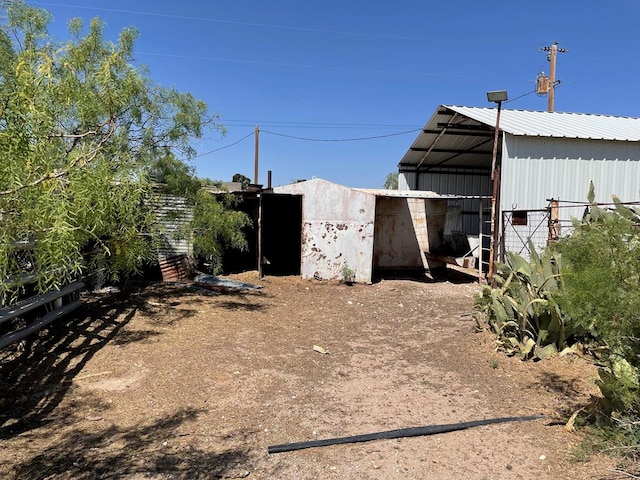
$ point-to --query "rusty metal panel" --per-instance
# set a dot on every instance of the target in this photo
(396, 245)
(329, 247)
(406, 229)
(328, 201)
(337, 231)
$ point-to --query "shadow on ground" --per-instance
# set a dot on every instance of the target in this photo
(36, 374)
(145, 449)
(447, 274)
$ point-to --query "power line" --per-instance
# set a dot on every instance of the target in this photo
(341, 139)
(226, 146)
(228, 22)
(519, 97)
(373, 137)
(311, 66)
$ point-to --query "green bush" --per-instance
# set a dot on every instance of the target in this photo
(216, 224)
(601, 294)
(585, 288)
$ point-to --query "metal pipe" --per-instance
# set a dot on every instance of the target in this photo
(495, 205)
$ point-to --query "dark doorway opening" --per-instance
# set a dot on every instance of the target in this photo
(281, 234)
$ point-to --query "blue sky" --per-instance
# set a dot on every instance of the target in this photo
(339, 70)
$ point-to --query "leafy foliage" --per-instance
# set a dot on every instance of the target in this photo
(391, 181)
(348, 274)
(79, 127)
(602, 295)
(216, 225)
(593, 296)
(240, 178)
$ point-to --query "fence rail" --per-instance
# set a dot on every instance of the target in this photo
(54, 300)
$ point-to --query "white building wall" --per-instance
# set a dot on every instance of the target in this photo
(535, 169)
(337, 229)
(406, 180)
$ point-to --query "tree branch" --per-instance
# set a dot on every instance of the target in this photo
(54, 175)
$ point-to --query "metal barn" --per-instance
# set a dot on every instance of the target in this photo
(543, 157)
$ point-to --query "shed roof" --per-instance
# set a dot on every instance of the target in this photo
(318, 186)
(463, 136)
(557, 124)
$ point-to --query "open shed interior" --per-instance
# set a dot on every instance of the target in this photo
(281, 231)
(452, 156)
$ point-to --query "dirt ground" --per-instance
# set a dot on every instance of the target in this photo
(172, 382)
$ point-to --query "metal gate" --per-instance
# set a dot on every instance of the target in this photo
(520, 226)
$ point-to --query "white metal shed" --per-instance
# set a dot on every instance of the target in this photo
(371, 230)
(543, 156)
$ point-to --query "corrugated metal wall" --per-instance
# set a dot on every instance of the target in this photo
(173, 214)
(455, 181)
(536, 169)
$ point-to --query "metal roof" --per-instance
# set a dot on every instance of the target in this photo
(557, 124)
(381, 192)
(463, 136)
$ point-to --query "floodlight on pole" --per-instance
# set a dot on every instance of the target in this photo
(496, 96)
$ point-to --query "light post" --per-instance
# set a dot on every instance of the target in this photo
(498, 97)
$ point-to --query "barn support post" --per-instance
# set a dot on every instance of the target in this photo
(480, 240)
(259, 239)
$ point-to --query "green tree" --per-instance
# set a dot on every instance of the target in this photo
(79, 127)
(240, 178)
(216, 226)
(391, 181)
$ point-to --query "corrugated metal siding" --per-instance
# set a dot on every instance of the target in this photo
(173, 214)
(461, 184)
(557, 124)
(535, 169)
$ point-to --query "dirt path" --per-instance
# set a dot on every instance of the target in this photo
(173, 383)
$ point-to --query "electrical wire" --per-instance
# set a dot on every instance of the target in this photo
(373, 137)
(310, 66)
(226, 146)
(228, 22)
(341, 139)
(519, 97)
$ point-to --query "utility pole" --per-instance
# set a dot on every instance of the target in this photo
(552, 56)
(255, 161)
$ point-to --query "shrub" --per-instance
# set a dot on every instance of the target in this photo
(601, 293)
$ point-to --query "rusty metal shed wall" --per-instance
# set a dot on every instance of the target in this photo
(406, 228)
(337, 229)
